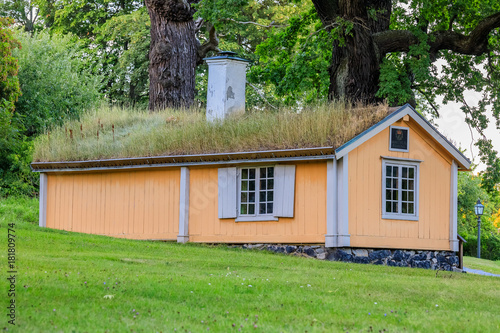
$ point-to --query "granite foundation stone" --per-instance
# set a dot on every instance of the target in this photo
(438, 260)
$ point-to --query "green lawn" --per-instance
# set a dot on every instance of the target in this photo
(482, 264)
(69, 282)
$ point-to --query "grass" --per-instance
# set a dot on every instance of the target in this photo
(482, 264)
(118, 133)
(64, 280)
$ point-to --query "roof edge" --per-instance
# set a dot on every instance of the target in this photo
(406, 109)
(182, 160)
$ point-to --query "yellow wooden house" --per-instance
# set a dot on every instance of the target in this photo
(394, 186)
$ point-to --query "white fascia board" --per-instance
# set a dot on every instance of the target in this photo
(358, 140)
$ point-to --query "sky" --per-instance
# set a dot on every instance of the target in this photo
(451, 124)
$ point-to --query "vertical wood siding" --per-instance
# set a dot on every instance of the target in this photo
(137, 204)
(366, 226)
(307, 226)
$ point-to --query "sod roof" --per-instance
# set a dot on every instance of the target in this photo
(112, 136)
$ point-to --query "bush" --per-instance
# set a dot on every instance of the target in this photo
(490, 245)
(18, 179)
(53, 85)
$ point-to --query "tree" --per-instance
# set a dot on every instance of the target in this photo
(24, 12)
(411, 51)
(174, 52)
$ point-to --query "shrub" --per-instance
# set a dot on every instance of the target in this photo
(53, 85)
(490, 245)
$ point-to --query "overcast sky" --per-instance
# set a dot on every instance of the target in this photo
(452, 124)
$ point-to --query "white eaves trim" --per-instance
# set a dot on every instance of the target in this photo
(358, 140)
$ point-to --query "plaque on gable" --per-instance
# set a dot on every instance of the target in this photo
(399, 139)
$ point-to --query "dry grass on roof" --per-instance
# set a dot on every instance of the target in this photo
(117, 133)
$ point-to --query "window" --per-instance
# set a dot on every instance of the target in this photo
(256, 191)
(400, 190)
(399, 139)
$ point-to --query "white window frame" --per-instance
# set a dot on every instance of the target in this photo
(408, 163)
(256, 216)
(407, 129)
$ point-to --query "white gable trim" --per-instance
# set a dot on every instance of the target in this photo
(343, 150)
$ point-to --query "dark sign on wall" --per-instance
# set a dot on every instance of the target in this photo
(399, 138)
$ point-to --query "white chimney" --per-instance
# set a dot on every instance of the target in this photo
(226, 85)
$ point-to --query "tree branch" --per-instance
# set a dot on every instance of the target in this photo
(210, 45)
(428, 101)
(270, 25)
(261, 95)
(476, 43)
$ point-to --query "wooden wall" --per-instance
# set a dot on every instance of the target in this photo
(307, 226)
(129, 204)
(366, 226)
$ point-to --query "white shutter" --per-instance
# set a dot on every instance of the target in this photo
(227, 193)
(284, 190)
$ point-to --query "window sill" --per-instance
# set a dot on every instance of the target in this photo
(400, 217)
(264, 218)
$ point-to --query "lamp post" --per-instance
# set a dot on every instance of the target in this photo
(478, 209)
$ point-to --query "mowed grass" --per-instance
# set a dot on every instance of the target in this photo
(120, 133)
(64, 279)
(482, 264)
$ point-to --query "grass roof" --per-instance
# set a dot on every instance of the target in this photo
(108, 133)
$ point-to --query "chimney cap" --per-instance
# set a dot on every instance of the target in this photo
(227, 55)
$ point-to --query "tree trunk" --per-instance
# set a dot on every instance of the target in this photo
(355, 65)
(172, 54)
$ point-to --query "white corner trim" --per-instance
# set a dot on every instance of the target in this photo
(331, 203)
(454, 207)
(183, 236)
(42, 214)
(343, 202)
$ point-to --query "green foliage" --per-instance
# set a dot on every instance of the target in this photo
(9, 93)
(114, 40)
(295, 60)
(18, 179)
(23, 12)
(469, 191)
(128, 69)
(53, 85)
(454, 74)
(9, 82)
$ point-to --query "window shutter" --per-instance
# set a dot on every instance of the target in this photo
(284, 190)
(227, 193)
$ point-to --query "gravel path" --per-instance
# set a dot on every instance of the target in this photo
(479, 272)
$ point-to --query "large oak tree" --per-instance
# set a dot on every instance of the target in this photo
(174, 52)
(357, 57)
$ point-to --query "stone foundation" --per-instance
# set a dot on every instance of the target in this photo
(442, 260)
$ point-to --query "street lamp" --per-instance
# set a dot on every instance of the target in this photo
(478, 209)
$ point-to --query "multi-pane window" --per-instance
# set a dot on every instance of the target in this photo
(256, 191)
(400, 190)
